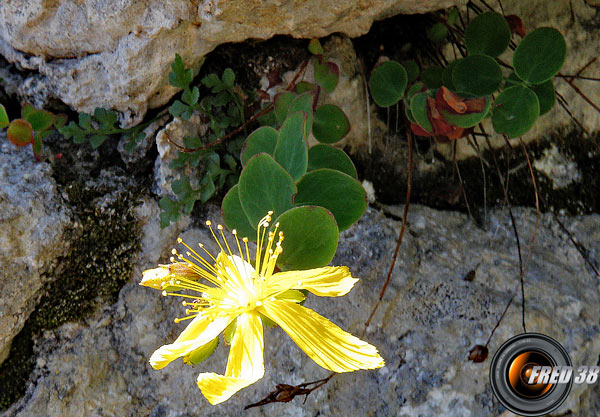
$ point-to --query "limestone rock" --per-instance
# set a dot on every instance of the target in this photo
(33, 222)
(428, 321)
(117, 54)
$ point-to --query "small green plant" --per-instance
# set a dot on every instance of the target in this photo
(97, 128)
(314, 192)
(223, 109)
(31, 129)
(448, 102)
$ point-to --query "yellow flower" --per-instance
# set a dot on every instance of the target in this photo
(241, 295)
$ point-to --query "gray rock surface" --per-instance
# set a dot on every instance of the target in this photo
(428, 321)
(117, 54)
(34, 220)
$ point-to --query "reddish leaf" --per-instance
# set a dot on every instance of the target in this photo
(418, 130)
(447, 100)
(516, 25)
(20, 132)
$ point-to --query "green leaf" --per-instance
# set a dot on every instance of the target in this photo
(419, 110)
(311, 236)
(414, 89)
(515, 111)
(105, 118)
(37, 146)
(447, 76)
(263, 139)
(3, 117)
(282, 104)
(97, 140)
(303, 87)
(202, 353)
(546, 96)
(191, 97)
(466, 120)
(26, 110)
(180, 77)
(85, 121)
(487, 34)
(72, 130)
(20, 132)
(60, 120)
(540, 55)
(327, 75)
(170, 211)
(437, 32)
(477, 75)
(40, 120)
(387, 83)
(290, 150)
(326, 156)
(339, 193)
(432, 76)
(265, 185)
(234, 216)
(453, 16)
(178, 109)
(228, 77)
(330, 124)
(314, 47)
(412, 70)
(304, 102)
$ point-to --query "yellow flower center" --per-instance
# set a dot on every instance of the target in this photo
(237, 285)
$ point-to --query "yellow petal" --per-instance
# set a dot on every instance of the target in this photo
(325, 343)
(245, 365)
(330, 281)
(155, 277)
(203, 329)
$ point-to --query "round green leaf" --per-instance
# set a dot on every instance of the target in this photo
(304, 102)
(546, 96)
(303, 87)
(437, 32)
(330, 124)
(327, 75)
(447, 76)
(339, 193)
(540, 55)
(432, 76)
(487, 34)
(291, 150)
(414, 89)
(388, 82)
(515, 111)
(311, 237)
(477, 75)
(466, 120)
(262, 139)
(265, 185)
(325, 156)
(314, 47)
(234, 215)
(20, 132)
(282, 104)
(412, 69)
(418, 108)
(3, 117)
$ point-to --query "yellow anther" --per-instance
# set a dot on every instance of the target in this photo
(208, 222)
(270, 212)
(219, 227)
(234, 232)
(245, 240)
(164, 293)
(179, 240)
(174, 251)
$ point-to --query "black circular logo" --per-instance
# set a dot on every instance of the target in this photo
(511, 371)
